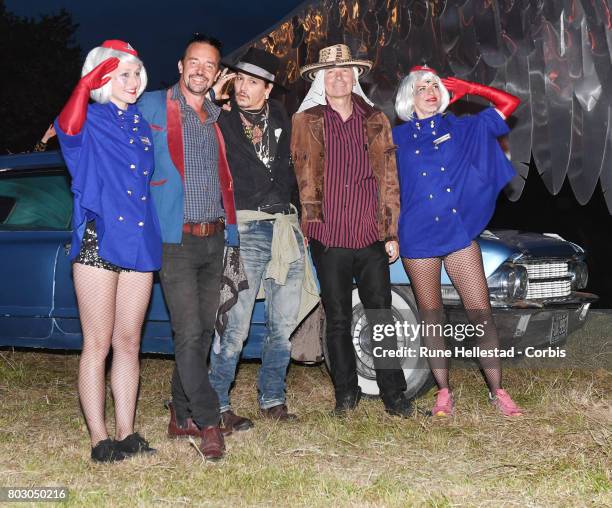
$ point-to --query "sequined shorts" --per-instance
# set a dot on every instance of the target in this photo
(88, 255)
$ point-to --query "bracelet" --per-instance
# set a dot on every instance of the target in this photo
(41, 146)
(212, 94)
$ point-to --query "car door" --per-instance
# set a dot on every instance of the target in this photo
(66, 331)
(35, 207)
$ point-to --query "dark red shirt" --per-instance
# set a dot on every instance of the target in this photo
(350, 200)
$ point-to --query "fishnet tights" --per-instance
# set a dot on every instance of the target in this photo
(112, 307)
(465, 269)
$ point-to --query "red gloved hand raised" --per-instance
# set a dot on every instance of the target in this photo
(73, 115)
(504, 102)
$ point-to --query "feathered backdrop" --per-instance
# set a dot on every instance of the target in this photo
(555, 55)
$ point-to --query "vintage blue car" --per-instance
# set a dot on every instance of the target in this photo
(534, 280)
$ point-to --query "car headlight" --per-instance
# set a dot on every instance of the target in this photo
(579, 272)
(509, 281)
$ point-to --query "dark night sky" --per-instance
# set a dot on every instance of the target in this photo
(158, 31)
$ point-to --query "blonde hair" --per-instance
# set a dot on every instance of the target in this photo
(404, 100)
(96, 56)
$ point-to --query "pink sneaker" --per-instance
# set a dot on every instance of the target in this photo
(504, 403)
(444, 403)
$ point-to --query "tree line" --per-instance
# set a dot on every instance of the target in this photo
(41, 62)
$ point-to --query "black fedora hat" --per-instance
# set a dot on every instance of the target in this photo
(260, 64)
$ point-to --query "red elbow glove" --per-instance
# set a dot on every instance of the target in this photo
(73, 115)
(503, 101)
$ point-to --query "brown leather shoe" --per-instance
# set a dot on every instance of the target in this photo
(232, 422)
(279, 413)
(212, 445)
(189, 428)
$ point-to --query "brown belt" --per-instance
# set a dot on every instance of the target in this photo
(203, 229)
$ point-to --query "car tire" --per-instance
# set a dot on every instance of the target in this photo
(416, 370)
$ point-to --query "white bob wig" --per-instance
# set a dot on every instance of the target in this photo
(96, 56)
(404, 100)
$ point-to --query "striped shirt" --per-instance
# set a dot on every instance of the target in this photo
(203, 202)
(350, 201)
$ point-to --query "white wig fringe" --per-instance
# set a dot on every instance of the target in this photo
(404, 100)
(96, 56)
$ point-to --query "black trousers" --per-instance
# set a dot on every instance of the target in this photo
(191, 280)
(336, 268)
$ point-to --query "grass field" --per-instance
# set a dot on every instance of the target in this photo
(559, 454)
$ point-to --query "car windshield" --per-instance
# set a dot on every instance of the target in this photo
(35, 200)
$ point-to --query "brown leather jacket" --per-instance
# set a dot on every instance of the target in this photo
(308, 153)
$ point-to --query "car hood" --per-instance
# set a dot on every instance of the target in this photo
(534, 245)
(499, 245)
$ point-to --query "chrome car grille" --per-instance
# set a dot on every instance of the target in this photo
(548, 279)
(552, 289)
(546, 270)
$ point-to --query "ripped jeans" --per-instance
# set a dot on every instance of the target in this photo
(281, 311)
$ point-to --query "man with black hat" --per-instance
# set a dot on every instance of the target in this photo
(257, 134)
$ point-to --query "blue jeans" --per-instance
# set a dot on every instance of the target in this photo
(282, 305)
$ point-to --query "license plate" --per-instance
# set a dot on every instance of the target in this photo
(558, 330)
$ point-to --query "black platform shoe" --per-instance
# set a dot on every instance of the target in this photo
(134, 444)
(107, 451)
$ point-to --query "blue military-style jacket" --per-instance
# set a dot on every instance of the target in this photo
(111, 164)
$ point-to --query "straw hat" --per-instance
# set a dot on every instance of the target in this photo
(335, 56)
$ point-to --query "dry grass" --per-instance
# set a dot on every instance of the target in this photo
(557, 455)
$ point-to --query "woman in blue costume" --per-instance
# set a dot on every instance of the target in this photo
(451, 170)
(116, 243)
